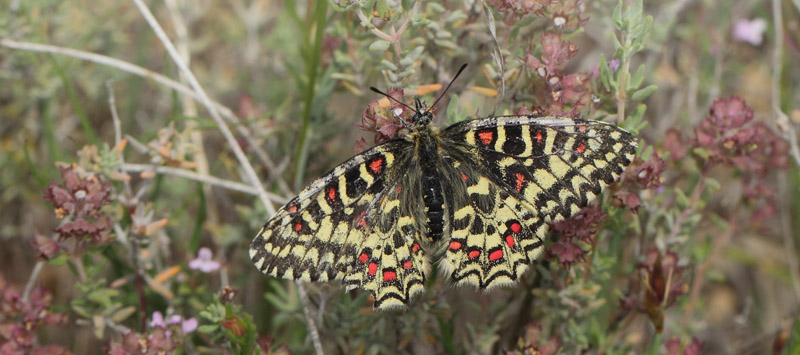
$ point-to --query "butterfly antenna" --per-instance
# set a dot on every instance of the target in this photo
(463, 66)
(392, 98)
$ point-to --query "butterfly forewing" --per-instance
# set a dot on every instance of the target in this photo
(502, 180)
(520, 173)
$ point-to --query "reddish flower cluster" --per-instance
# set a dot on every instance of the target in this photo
(78, 202)
(568, 93)
(729, 137)
(386, 123)
(158, 341)
(675, 347)
(640, 175)
(662, 280)
(21, 320)
(664, 277)
(267, 345)
(564, 13)
(533, 342)
(579, 228)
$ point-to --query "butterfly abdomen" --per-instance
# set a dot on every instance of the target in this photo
(427, 150)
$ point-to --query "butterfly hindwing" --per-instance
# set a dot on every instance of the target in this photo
(335, 229)
(391, 262)
(519, 173)
(493, 237)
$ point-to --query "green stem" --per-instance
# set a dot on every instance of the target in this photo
(315, 20)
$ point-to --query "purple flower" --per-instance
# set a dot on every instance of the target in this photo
(204, 262)
(158, 320)
(750, 31)
(187, 326)
(614, 65)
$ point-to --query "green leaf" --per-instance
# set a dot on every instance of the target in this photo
(123, 314)
(637, 78)
(102, 296)
(701, 152)
(208, 328)
(58, 260)
(412, 56)
(642, 94)
(379, 46)
(616, 16)
(712, 184)
(389, 65)
(383, 9)
(681, 198)
(605, 78)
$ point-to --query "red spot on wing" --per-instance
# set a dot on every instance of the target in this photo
(293, 208)
(510, 241)
(495, 255)
(415, 248)
(582, 129)
(464, 177)
(389, 275)
(474, 254)
(363, 258)
(361, 220)
(331, 194)
(454, 245)
(520, 181)
(373, 268)
(399, 188)
(515, 227)
(581, 148)
(407, 264)
(486, 137)
(376, 166)
(298, 226)
(538, 137)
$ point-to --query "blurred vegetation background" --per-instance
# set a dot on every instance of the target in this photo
(127, 212)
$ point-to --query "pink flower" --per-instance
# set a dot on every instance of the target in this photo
(187, 326)
(204, 261)
(158, 320)
(750, 31)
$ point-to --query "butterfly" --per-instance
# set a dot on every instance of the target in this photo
(477, 195)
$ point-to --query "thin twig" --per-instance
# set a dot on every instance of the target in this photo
(207, 179)
(26, 292)
(777, 56)
(789, 132)
(114, 63)
(234, 145)
(163, 80)
(112, 103)
(789, 246)
(189, 108)
(206, 101)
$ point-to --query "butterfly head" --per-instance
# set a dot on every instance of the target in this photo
(422, 116)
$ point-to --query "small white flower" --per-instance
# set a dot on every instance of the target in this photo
(750, 31)
(204, 261)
